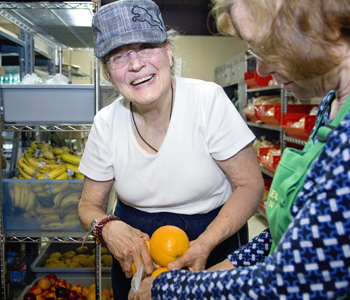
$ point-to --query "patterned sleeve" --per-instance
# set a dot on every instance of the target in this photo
(312, 260)
(255, 252)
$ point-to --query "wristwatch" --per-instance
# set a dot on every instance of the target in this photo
(89, 231)
(91, 228)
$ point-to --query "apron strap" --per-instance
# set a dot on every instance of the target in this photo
(325, 131)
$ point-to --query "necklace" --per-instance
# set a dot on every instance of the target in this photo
(133, 118)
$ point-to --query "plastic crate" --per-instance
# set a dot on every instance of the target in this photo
(298, 133)
(105, 282)
(276, 119)
(254, 117)
(253, 80)
(48, 103)
(276, 159)
(45, 218)
(38, 265)
(273, 120)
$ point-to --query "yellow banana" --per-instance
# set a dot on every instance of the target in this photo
(42, 194)
(37, 187)
(45, 146)
(42, 211)
(12, 194)
(24, 195)
(47, 219)
(17, 195)
(36, 144)
(66, 149)
(72, 159)
(30, 201)
(57, 151)
(21, 177)
(25, 166)
(58, 197)
(71, 200)
(57, 172)
(31, 150)
(74, 168)
(57, 188)
(76, 186)
(63, 176)
(34, 162)
(79, 176)
(48, 155)
(23, 174)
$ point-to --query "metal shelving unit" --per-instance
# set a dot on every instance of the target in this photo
(58, 25)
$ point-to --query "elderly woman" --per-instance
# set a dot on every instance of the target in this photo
(175, 150)
(304, 45)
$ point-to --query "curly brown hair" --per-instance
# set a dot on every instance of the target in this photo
(297, 36)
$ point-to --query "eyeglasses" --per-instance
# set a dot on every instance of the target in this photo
(251, 52)
(119, 60)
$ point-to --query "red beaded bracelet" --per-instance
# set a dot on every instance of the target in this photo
(97, 230)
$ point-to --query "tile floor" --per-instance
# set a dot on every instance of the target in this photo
(256, 224)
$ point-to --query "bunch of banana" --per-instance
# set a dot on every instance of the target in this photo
(72, 164)
(60, 217)
(66, 201)
(46, 189)
(22, 196)
(30, 167)
(42, 161)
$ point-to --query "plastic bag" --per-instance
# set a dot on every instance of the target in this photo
(249, 109)
(313, 111)
(56, 79)
(300, 123)
(31, 79)
(136, 280)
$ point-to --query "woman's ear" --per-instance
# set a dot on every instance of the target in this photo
(169, 53)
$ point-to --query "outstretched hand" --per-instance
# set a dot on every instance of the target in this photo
(194, 259)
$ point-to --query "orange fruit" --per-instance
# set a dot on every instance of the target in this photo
(133, 268)
(158, 271)
(168, 243)
(44, 283)
(91, 296)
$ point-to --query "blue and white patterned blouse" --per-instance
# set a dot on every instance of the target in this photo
(312, 260)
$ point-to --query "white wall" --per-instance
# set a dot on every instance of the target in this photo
(200, 56)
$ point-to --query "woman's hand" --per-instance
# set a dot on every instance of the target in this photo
(127, 245)
(194, 258)
(224, 265)
(144, 290)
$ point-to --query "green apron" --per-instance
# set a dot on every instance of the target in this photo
(290, 176)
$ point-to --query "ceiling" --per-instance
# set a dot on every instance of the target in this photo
(191, 17)
(68, 24)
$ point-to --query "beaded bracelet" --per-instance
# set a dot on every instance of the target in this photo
(97, 230)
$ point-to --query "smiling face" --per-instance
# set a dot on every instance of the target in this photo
(319, 86)
(144, 80)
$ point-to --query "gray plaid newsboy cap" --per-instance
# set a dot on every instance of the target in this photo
(126, 22)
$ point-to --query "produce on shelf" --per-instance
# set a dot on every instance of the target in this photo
(80, 258)
(53, 205)
(42, 161)
(60, 288)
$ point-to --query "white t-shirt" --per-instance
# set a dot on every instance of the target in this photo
(183, 176)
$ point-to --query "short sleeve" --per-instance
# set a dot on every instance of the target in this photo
(95, 162)
(226, 131)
